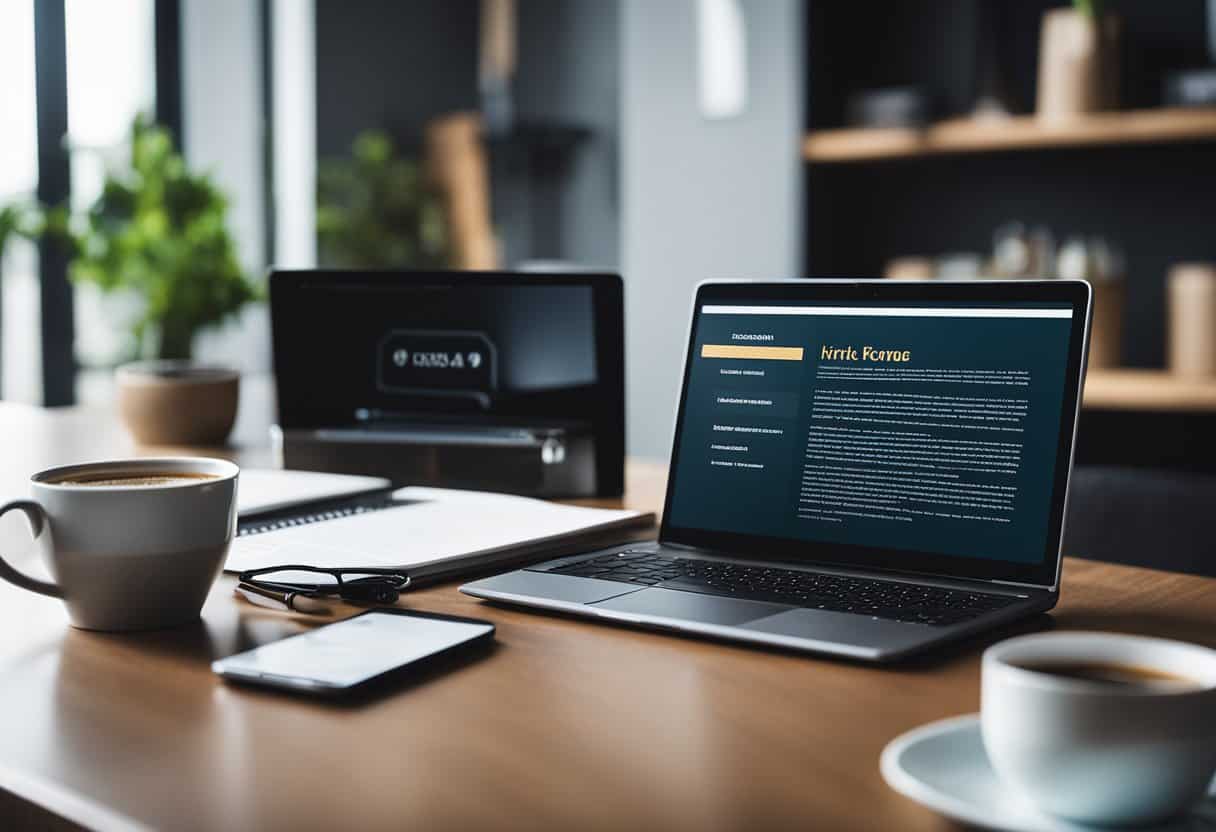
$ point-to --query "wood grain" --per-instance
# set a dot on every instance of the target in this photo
(1149, 390)
(1016, 133)
(564, 724)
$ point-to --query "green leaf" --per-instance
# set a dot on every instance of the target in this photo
(1090, 8)
(156, 229)
(376, 210)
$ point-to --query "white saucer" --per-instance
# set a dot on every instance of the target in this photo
(942, 765)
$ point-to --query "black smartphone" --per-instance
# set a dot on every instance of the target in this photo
(341, 657)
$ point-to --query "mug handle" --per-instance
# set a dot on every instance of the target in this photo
(38, 521)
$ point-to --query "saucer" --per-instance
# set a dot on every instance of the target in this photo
(943, 765)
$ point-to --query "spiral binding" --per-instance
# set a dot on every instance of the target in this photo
(359, 506)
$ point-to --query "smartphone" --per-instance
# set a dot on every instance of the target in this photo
(346, 655)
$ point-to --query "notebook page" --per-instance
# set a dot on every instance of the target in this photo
(436, 526)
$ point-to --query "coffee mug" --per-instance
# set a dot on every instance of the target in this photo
(1082, 747)
(132, 544)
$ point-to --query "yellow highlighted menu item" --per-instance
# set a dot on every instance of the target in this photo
(740, 351)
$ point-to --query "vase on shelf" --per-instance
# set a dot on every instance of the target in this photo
(1192, 320)
(1078, 63)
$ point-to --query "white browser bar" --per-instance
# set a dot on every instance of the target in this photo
(890, 311)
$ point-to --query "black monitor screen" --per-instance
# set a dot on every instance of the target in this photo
(378, 348)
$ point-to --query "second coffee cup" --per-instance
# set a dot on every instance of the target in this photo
(1101, 727)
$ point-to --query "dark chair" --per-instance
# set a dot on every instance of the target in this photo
(1143, 517)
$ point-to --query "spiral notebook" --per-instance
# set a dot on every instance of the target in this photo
(431, 533)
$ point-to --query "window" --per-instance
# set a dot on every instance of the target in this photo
(20, 333)
(111, 76)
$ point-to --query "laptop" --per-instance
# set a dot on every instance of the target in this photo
(859, 468)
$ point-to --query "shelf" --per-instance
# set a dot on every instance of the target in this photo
(1148, 390)
(1010, 134)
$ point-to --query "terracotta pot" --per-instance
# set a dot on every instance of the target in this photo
(177, 402)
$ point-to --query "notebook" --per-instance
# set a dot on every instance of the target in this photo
(262, 490)
(431, 533)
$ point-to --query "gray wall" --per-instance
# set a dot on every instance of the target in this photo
(701, 199)
(569, 73)
(223, 112)
(396, 65)
(223, 121)
(391, 65)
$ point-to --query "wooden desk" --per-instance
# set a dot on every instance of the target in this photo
(565, 725)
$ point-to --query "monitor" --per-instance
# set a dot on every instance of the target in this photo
(491, 380)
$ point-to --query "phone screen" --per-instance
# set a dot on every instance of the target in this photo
(347, 653)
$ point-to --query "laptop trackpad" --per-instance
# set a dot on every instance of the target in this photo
(690, 606)
(842, 628)
(545, 585)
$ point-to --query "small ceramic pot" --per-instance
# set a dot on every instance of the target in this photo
(177, 402)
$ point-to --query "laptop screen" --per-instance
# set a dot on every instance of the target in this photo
(927, 435)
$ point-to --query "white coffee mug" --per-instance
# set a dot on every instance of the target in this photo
(1098, 752)
(130, 556)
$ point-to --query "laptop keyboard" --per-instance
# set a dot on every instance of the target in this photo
(891, 600)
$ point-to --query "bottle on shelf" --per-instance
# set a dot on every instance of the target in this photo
(1191, 325)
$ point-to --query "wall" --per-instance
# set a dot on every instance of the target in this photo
(416, 60)
(391, 65)
(569, 73)
(222, 111)
(223, 127)
(700, 199)
(294, 137)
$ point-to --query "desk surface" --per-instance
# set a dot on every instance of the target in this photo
(564, 725)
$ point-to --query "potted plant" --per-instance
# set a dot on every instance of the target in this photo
(376, 210)
(160, 232)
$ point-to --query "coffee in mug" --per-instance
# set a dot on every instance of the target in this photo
(111, 478)
(132, 544)
(1113, 673)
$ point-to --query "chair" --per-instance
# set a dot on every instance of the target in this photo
(1162, 519)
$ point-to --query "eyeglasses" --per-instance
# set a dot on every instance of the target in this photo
(361, 586)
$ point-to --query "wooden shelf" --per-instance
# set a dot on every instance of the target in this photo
(1148, 390)
(1010, 134)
